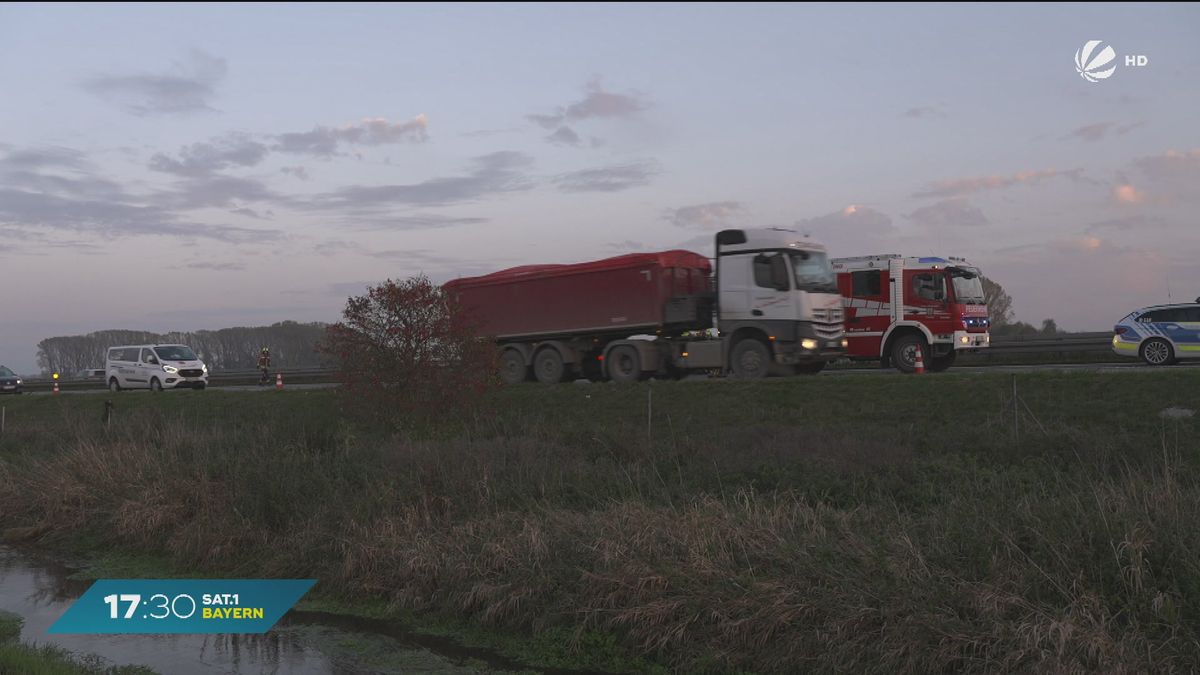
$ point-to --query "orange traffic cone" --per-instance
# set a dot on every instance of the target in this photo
(920, 365)
(56, 386)
(279, 380)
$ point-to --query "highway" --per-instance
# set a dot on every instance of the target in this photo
(1131, 367)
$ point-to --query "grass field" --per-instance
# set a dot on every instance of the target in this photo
(829, 524)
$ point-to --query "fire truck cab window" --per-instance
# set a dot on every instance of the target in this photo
(866, 284)
(929, 286)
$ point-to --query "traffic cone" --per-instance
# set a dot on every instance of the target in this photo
(920, 365)
(56, 386)
(279, 380)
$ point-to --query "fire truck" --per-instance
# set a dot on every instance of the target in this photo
(897, 305)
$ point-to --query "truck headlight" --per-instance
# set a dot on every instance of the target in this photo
(808, 344)
(845, 342)
(964, 339)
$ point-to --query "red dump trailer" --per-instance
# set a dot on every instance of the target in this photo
(645, 292)
(645, 315)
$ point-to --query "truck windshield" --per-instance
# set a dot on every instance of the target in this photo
(179, 353)
(813, 271)
(968, 289)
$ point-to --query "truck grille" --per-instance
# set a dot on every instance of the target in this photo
(835, 315)
(191, 372)
(828, 331)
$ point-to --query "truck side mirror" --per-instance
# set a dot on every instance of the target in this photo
(779, 273)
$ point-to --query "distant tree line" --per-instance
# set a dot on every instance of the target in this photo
(292, 345)
(1003, 320)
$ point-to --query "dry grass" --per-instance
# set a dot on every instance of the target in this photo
(763, 548)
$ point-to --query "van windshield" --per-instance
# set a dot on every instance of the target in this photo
(175, 353)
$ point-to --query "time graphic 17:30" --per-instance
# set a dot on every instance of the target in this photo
(168, 606)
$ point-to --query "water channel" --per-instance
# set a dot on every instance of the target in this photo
(38, 587)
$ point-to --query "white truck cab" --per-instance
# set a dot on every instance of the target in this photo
(155, 367)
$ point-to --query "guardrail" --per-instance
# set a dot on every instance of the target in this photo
(1033, 343)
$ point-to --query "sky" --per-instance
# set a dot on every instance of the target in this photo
(182, 167)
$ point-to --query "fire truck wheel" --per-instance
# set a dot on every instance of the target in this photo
(750, 359)
(512, 368)
(1157, 352)
(624, 364)
(939, 364)
(548, 366)
(904, 352)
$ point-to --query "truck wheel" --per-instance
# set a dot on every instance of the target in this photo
(939, 364)
(512, 368)
(810, 368)
(750, 359)
(624, 364)
(548, 366)
(904, 352)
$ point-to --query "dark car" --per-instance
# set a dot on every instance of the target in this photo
(9, 382)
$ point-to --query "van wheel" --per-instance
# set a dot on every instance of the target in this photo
(113, 385)
(750, 359)
(155, 385)
(1157, 352)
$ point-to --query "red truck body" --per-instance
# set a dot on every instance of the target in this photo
(626, 294)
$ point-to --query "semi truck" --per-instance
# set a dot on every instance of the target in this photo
(770, 307)
(897, 307)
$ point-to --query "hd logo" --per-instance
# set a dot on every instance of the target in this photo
(1090, 67)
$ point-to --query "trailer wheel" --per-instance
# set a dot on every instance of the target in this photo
(512, 367)
(904, 352)
(624, 364)
(548, 366)
(750, 359)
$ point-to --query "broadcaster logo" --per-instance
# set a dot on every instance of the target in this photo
(1089, 70)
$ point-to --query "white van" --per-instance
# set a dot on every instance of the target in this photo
(155, 367)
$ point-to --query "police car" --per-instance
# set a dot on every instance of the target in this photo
(1160, 335)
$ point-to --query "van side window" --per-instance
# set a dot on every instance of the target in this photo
(114, 355)
(148, 356)
(866, 284)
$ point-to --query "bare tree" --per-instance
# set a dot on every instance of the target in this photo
(999, 303)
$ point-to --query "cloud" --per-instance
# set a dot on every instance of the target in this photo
(1126, 195)
(965, 186)
(300, 172)
(219, 267)
(1171, 164)
(608, 179)
(628, 245)
(711, 216)
(859, 221)
(956, 212)
(597, 103)
(112, 220)
(564, 136)
(214, 191)
(1127, 223)
(325, 141)
(1091, 132)
(1098, 131)
(203, 159)
(924, 111)
(251, 213)
(493, 174)
(421, 222)
(187, 88)
(41, 158)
